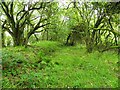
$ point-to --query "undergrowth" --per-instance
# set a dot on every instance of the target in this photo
(49, 64)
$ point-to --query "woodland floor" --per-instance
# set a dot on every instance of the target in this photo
(52, 65)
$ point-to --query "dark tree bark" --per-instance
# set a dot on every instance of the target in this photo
(68, 38)
(3, 39)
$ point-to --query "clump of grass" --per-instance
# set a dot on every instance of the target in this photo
(47, 46)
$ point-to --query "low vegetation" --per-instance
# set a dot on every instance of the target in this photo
(49, 64)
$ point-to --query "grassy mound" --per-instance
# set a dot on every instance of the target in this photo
(48, 64)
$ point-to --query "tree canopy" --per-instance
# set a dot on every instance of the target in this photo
(94, 24)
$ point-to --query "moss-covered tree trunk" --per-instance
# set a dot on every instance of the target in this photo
(18, 37)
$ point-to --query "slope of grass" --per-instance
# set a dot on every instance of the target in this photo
(50, 65)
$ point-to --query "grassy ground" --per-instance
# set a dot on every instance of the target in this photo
(51, 65)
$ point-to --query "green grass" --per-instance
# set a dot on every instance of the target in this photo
(51, 65)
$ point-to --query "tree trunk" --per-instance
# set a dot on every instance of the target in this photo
(88, 44)
(68, 39)
(47, 35)
(3, 39)
(17, 42)
(92, 41)
(18, 38)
